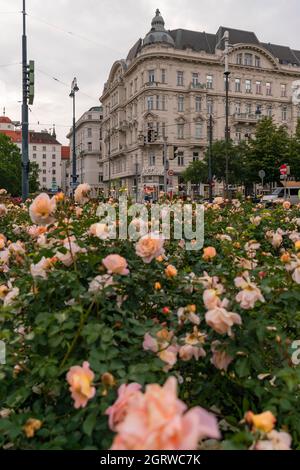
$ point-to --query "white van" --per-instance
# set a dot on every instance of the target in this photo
(290, 194)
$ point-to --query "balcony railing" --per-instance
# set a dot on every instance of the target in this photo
(244, 117)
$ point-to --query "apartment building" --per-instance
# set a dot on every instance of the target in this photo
(88, 150)
(171, 82)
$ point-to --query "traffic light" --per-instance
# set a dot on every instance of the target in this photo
(31, 82)
(151, 135)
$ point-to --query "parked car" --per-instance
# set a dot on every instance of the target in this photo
(290, 194)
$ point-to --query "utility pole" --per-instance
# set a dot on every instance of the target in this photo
(74, 89)
(166, 164)
(210, 158)
(226, 73)
(25, 157)
(136, 178)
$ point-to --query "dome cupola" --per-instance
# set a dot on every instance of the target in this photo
(158, 33)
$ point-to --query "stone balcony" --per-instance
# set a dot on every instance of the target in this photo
(244, 118)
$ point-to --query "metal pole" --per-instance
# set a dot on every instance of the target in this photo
(165, 151)
(210, 158)
(74, 169)
(226, 73)
(25, 157)
(109, 175)
(136, 179)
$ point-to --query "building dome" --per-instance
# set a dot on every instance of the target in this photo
(158, 33)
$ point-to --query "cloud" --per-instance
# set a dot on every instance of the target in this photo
(75, 38)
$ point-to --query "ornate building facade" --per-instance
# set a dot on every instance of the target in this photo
(170, 84)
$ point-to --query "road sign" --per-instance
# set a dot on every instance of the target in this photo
(261, 174)
(283, 169)
(170, 172)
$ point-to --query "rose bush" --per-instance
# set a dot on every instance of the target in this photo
(98, 331)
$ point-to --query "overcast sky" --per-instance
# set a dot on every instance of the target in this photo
(83, 38)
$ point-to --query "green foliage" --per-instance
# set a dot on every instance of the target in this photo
(10, 166)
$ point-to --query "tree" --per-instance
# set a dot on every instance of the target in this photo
(34, 184)
(10, 166)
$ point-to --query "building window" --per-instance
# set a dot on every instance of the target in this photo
(135, 84)
(44, 172)
(248, 86)
(53, 148)
(53, 156)
(44, 180)
(209, 82)
(151, 76)
(210, 106)
(195, 79)
(284, 113)
(44, 148)
(283, 90)
(100, 178)
(53, 163)
(34, 155)
(248, 59)
(34, 147)
(151, 159)
(198, 130)
(195, 156)
(257, 61)
(53, 172)
(237, 85)
(179, 78)
(89, 132)
(163, 102)
(238, 136)
(239, 59)
(180, 104)
(180, 131)
(268, 89)
(238, 108)
(44, 156)
(269, 111)
(163, 75)
(44, 163)
(248, 108)
(157, 102)
(149, 103)
(89, 145)
(163, 129)
(198, 104)
(180, 159)
(258, 87)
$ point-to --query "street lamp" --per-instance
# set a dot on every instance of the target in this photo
(74, 89)
(226, 73)
(258, 112)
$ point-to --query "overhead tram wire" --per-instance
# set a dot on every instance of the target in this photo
(72, 33)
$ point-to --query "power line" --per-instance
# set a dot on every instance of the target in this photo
(9, 65)
(71, 33)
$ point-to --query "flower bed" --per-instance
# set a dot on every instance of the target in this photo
(99, 332)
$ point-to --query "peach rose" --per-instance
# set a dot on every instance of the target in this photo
(158, 420)
(211, 298)
(116, 264)
(81, 194)
(276, 441)
(80, 380)
(209, 253)
(99, 230)
(170, 271)
(220, 359)
(117, 412)
(187, 352)
(286, 205)
(149, 247)
(220, 320)
(31, 426)
(263, 422)
(42, 209)
(3, 210)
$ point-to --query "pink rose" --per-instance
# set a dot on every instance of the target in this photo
(117, 412)
(220, 359)
(116, 264)
(220, 320)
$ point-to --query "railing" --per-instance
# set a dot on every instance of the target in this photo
(244, 117)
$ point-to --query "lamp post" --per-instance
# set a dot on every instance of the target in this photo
(210, 158)
(74, 89)
(226, 74)
(25, 157)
